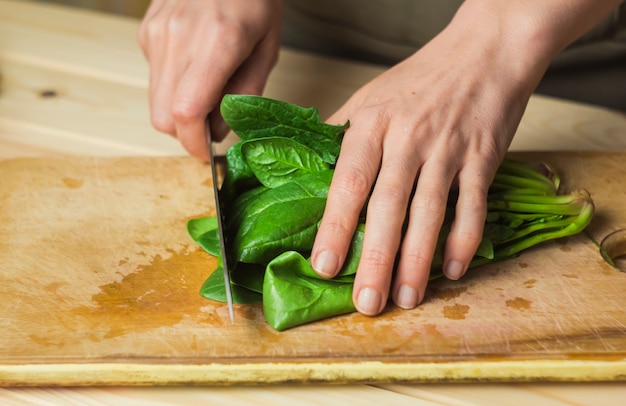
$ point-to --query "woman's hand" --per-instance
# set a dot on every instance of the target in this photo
(443, 118)
(198, 50)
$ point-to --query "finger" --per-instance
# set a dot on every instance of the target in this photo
(161, 48)
(426, 216)
(354, 175)
(386, 214)
(164, 76)
(467, 229)
(200, 91)
(250, 78)
(150, 27)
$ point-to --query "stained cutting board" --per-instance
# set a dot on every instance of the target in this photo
(99, 285)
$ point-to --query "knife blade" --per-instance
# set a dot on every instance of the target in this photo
(220, 225)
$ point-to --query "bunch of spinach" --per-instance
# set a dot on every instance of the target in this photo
(275, 191)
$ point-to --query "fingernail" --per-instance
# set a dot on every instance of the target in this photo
(406, 297)
(368, 301)
(454, 270)
(326, 264)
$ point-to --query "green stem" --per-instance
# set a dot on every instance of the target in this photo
(515, 182)
(567, 205)
(577, 224)
(507, 217)
(497, 189)
(526, 170)
(537, 227)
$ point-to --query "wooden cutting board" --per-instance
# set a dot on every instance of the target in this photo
(99, 285)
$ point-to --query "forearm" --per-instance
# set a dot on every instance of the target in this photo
(528, 34)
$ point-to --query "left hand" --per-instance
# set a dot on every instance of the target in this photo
(443, 118)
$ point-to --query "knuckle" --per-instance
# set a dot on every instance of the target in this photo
(377, 260)
(152, 32)
(374, 118)
(177, 22)
(163, 123)
(431, 205)
(416, 260)
(352, 183)
(232, 32)
(229, 34)
(471, 237)
(186, 111)
(337, 226)
(391, 195)
(474, 202)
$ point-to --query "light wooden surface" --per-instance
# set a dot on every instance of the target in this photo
(93, 65)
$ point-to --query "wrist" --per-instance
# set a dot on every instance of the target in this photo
(513, 41)
(523, 37)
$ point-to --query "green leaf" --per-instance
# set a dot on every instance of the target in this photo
(249, 276)
(293, 294)
(241, 207)
(276, 188)
(205, 233)
(281, 219)
(497, 233)
(213, 288)
(354, 253)
(198, 226)
(275, 161)
(437, 262)
(485, 249)
(239, 177)
(252, 117)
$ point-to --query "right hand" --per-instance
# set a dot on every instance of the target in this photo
(199, 50)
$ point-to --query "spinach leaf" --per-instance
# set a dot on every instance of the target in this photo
(485, 249)
(354, 253)
(239, 177)
(252, 117)
(281, 219)
(293, 294)
(497, 233)
(275, 160)
(249, 276)
(205, 233)
(276, 188)
(213, 288)
(240, 208)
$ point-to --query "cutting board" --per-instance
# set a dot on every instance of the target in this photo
(99, 285)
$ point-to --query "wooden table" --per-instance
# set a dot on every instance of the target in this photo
(74, 82)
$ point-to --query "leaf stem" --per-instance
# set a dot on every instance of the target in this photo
(576, 224)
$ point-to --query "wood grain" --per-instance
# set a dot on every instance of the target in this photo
(95, 258)
(84, 89)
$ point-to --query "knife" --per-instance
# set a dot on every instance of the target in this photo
(220, 225)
